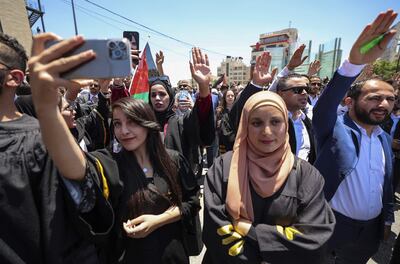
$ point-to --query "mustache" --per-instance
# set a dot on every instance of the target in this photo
(379, 109)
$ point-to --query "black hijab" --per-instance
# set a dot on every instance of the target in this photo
(163, 117)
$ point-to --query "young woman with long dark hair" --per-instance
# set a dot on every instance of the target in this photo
(159, 191)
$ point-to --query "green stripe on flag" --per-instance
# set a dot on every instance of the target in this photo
(142, 96)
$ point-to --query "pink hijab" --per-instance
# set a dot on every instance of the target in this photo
(266, 171)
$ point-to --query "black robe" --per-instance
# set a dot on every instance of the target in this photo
(185, 134)
(299, 206)
(164, 245)
(93, 127)
(40, 223)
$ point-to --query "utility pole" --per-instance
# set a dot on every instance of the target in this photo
(73, 12)
(41, 17)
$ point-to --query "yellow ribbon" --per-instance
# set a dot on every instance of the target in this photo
(237, 248)
(288, 232)
(106, 190)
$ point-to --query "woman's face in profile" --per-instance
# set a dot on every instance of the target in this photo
(266, 129)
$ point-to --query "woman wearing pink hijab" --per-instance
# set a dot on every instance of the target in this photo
(262, 204)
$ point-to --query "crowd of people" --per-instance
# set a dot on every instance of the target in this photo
(300, 169)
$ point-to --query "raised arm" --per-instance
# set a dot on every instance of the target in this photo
(45, 67)
(159, 62)
(261, 77)
(295, 61)
(324, 113)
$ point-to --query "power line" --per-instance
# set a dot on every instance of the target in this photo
(152, 30)
(91, 12)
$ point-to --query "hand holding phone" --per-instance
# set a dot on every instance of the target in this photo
(113, 59)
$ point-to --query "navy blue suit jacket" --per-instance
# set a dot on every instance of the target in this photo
(338, 143)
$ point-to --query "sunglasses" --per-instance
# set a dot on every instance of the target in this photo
(164, 79)
(296, 89)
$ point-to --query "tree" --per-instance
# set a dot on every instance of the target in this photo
(385, 69)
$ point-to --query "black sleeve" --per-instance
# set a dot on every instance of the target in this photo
(236, 111)
(221, 245)
(189, 187)
(197, 133)
(96, 125)
(307, 236)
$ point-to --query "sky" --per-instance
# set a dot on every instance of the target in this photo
(222, 27)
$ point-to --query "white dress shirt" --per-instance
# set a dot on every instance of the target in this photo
(303, 145)
(359, 195)
(313, 100)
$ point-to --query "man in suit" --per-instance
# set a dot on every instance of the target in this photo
(354, 153)
(392, 127)
(292, 89)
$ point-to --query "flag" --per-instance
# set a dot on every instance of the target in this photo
(139, 88)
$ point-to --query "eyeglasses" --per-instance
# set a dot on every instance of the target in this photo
(316, 84)
(296, 89)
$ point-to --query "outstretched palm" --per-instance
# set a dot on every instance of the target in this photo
(261, 75)
(381, 25)
(200, 68)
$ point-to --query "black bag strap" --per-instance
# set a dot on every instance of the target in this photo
(355, 142)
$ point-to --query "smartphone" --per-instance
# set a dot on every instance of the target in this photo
(133, 37)
(183, 95)
(113, 59)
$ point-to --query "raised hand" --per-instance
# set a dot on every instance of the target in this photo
(314, 68)
(260, 75)
(296, 60)
(135, 57)
(104, 85)
(159, 62)
(380, 26)
(160, 58)
(200, 70)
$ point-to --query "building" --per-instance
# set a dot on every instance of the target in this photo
(235, 70)
(303, 69)
(392, 51)
(16, 20)
(281, 45)
(330, 56)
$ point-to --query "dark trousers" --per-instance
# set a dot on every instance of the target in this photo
(353, 241)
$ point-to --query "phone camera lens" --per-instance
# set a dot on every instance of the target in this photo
(121, 45)
(112, 45)
(117, 54)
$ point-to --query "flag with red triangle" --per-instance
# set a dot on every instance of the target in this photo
(139, 88)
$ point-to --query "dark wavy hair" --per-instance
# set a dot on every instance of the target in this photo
(142, 114)
(12, 53)
(282, 83)
(355, 89)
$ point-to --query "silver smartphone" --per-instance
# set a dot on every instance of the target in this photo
(113, 59)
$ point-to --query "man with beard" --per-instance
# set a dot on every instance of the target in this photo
(292, 89)
(354, 153)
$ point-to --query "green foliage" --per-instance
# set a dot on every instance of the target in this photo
(385, 69)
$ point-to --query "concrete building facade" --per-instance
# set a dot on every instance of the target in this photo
(281, 45)
(235, 70)
(14, 21)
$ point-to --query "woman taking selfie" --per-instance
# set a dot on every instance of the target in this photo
(160, 191)
(262, 204)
